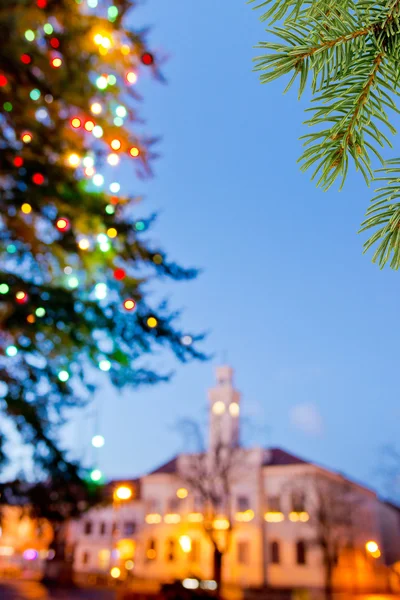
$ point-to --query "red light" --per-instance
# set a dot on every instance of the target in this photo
(18, 161)
(62, 224)
(114, 199)
(38, 179)
(76, 123)
(21, 297)
(119, 274)
(26, 59)
(54, 43)
(147, 58)
(89, 125)
(3, 80)
(129, 304)
(41, 3)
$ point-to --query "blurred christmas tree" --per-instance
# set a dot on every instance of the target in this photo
(74, 262)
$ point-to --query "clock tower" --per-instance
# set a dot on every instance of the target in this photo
(224, 409)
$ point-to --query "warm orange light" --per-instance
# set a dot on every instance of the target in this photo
(56, 62)
(123, 492)
(96, 108)
(89, 125)
(304, 516)
(129, 304)
(152, 322)
(134, 151)
(245, 516)
(98, 38)
(115, 144)
(84, 244)
(371, 547)
(195, 517)
(172, 518)
(76, 123)
(218, 407)
(125, 49)
(153, 518)
(112, 232)
(26, 208)
(151, 554)
(62, 224)
(26, 137)
(31, 318)
(221, 523)
(74, 160)
(185, 543)
(90, 171)
(294, 516)
(274, 517)
(234, 409)
(115, 572)
(182, 493)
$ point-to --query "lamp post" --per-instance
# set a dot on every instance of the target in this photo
(373, 550)
(121, 494)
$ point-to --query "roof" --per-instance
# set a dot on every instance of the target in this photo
(277, 456)
(167, 468)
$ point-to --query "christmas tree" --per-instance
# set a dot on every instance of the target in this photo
(75, 258)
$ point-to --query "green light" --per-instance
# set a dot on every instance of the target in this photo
(35, 94)
(105, 246)
(8, 106)
(63, 376)
(29, 35)
(11, 248)
(110, 210)
(112, 13)
(118, 122)
(40, 312)
(121, 111)
(104, 365)
(139, 226)
(92, 3)
(11, 351)
(4, 289)
(96, 475)
(73, 282)
(48, 28)
(101, 82)
(111, 80)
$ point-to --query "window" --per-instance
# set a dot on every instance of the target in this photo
(243, 553)
(173, 505)
(151, 552)
(274, 504)
(102, 528)
(104, 558)
(301, 554)
(170, 550)
(154, 505)
(275, 553)
(85, 558)
(87, 528)
(129, 527)
(243, 503)
(195, 551)
(298, 502)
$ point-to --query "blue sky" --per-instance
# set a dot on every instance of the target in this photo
(307, 321)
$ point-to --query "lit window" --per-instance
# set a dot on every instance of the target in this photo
(243, 553)
(275, 553)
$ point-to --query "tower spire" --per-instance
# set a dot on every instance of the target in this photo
(224, 409)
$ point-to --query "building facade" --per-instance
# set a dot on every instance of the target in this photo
(280, 521)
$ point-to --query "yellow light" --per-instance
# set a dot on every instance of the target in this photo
(98, 38)
(112, 232)
(294, 516)
(74, 160)
(96, 108)
(304, 516)
(125, 49)
(172, 518)
(115, 144)
(245, 517)
(115, 572)
(218, 408)
(234, 409)
(185, 543)
(105, 42)
(103, 51)
(221, 523)
(151, 553)
(129, 564)
(182, 492)
(56, 62)
(26, 138)
(123, 492)
(134, 151)
(372, 547)
(126, 549)
(274, 517)
(195, 518)
(26, 208)
(113, 159)
(153, 518)
(152, 322)
(131, 77)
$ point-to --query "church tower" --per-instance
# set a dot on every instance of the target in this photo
(224, 409)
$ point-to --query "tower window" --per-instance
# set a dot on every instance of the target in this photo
(301, 553)
(275, 553)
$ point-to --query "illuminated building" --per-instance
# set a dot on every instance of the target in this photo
(274, 528)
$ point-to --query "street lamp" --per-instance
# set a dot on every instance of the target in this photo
(373, 549)
(185, 543)
(123, 492)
